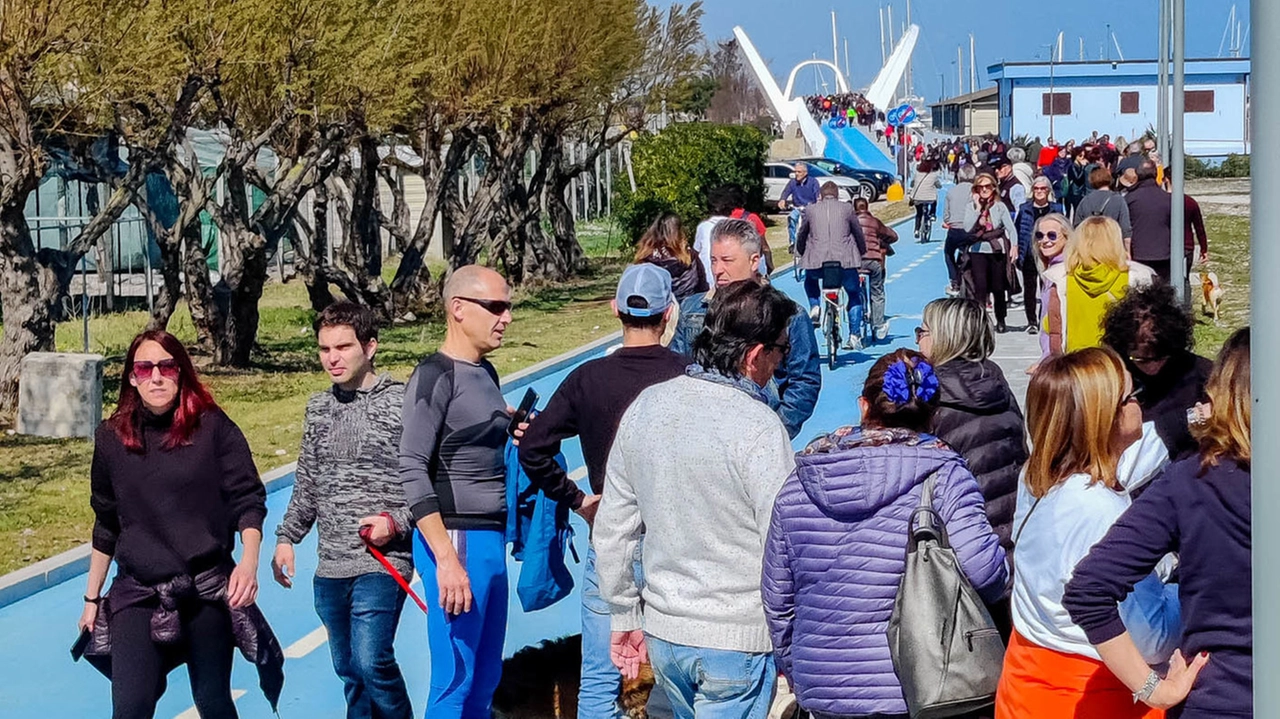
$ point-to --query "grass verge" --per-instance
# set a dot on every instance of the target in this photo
(1230, 259)
(44, 483)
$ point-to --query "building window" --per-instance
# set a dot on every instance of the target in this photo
(1058, 103)
(1199, 100)
(1128, 103)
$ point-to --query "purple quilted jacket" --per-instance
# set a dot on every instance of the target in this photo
(836, 552)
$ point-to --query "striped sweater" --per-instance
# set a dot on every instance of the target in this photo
(348, 468)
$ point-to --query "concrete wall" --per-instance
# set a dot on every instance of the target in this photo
(983, 121)
(60, 394)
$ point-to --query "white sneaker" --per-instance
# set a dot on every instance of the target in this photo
(853, 343)
(882, 331)
(815, 313)
(952, 291)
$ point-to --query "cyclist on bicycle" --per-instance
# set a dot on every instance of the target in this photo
(831, 233)
(803, 191)
(924, 195)
(879, 238)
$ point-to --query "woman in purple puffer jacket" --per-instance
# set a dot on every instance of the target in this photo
(836, 549)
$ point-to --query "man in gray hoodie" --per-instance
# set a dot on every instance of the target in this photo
(348, 479)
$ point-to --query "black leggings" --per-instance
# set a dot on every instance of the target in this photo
(138, 664)
(924, 209)
(989, 278)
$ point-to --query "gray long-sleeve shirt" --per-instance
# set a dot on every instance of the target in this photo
(1106, 203)
(347, 470)
(452, 452)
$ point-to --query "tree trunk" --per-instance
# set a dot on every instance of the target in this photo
(205, 313)
(166, 301)
(310, 252)
(28, 293)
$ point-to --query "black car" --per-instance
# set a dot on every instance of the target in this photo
(873, 183)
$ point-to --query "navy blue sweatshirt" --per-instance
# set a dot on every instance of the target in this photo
(1206, 521)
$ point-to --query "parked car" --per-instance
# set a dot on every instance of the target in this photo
(873, 183)
(777, 174)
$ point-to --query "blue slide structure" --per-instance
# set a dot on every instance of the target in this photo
(850, 146)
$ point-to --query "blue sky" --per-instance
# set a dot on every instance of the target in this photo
(788, 31)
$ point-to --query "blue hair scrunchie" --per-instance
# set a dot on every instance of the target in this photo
(902, 381)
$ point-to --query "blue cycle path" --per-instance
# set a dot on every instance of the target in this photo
(39, 681)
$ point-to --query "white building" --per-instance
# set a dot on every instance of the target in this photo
(1119, 99)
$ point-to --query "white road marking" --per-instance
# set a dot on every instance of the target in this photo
(919, 261)
(307, 644)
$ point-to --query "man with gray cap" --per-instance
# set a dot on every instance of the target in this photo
(589, 405)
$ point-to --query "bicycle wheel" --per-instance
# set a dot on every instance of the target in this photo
(832, 331)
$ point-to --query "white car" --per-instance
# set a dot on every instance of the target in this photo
(778, 174)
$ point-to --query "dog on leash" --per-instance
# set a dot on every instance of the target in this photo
(1213, 293)
(541, 682)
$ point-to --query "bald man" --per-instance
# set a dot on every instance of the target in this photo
(453, 471)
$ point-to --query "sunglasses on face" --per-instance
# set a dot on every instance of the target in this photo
(494, 307)
(1039, 189)
(784, 348)
(1132, 397)
(985, 188)
(921, 333)
(1046, 237)
(143, 369)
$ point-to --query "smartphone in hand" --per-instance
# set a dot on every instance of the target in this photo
(522, 412)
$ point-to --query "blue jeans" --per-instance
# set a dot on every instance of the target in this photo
(601, 682)
(713, 683)
(793, 226)
(852, 288)
(466, 650)
(361, 614)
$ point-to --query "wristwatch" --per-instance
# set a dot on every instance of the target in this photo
(92, 600)
(1148, 688)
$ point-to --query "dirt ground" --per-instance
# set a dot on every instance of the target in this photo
(1221, 197)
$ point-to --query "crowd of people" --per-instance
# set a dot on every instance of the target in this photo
(730, 561)
(844, 109)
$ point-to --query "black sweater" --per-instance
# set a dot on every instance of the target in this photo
(1167, 396)
(979, 417)
(1206, 521)
(590, 404)
(165, 512)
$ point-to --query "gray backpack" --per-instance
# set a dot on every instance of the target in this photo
(946, 650)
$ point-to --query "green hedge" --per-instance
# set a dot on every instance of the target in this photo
(675, 168)
(1233, 166)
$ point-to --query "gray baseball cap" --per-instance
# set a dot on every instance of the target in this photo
(644, 290)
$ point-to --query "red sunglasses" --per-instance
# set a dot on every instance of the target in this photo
(143, 369)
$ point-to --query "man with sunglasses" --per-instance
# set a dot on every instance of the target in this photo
(1040, 204)
(453, 469)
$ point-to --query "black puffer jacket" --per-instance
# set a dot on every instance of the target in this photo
(686, 279)
(980, 418)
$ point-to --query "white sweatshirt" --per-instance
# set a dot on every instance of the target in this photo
(695, 466)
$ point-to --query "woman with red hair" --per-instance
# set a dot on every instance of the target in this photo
(172, 482)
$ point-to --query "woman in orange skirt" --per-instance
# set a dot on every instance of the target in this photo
(1090, 448)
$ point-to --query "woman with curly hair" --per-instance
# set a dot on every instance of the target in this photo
(1201, 510)
(1153, 333)
(836, 548)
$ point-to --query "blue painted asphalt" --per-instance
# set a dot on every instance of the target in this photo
(39, 681)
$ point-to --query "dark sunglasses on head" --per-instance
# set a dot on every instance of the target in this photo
(1051, 236)
(143, 369)
(493, 307)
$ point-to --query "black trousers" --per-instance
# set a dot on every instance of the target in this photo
(1162, 268)
(1030, 290)
(988, 273)
(138, 664)
(956, 240)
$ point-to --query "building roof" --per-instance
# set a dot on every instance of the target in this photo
(986, 93)
(1113, 68)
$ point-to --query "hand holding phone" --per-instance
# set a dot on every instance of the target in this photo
(522, 412)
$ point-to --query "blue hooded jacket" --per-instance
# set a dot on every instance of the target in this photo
(836, 553)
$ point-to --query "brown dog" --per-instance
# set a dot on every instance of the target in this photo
(541, 682)
(1213, 293)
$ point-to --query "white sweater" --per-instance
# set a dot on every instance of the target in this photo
(695, 467)
(1069, 520)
